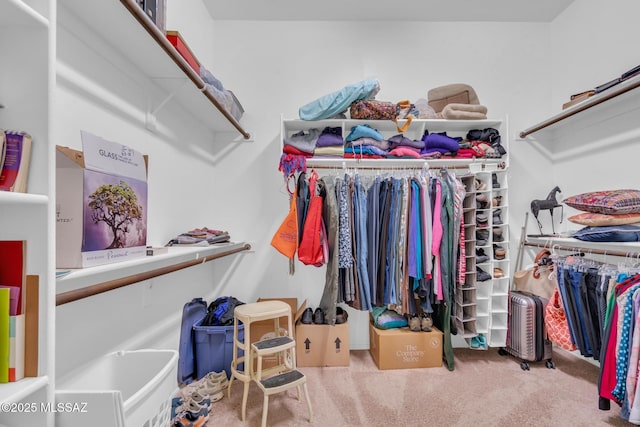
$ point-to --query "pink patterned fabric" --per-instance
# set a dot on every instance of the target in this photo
(606, 202)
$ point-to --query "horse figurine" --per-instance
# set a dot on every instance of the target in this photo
(549, 204)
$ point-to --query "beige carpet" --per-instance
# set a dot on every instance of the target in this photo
(485, 389)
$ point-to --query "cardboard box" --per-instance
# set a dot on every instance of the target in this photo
(88, 231)
(322, 345)
(265, 329)
(176, 40)
(402, 348)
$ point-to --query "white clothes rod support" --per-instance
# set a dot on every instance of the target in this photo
(151, 122)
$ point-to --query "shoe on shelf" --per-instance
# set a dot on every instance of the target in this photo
(482, 201)
(481, 256)
(482, 275)
(481, 237)
(479, 342)
(494, 180)
(480, 186)
(497, 234)
(497, 273)
(496, 201)
(499, 252)
(318, 316)
(414, 323)
(496, 217)
(307, 316)
(481, 220)
(341, 315)
(426, 322)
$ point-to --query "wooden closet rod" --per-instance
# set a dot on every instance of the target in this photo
(98, 288)
(605, 96)
(578, 249)
(161, 39)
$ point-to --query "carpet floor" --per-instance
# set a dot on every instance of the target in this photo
(485, 389)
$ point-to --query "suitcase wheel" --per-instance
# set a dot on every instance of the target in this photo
(549, 364)
(524, 366)
(502, 351)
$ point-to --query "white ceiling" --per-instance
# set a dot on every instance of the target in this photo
(387, 10)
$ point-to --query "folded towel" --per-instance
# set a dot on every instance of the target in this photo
(464, 112)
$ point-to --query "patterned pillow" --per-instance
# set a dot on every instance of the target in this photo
(602, 220)
(606, 202)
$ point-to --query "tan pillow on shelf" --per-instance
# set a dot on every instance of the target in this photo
(603, 220)
(456, 93)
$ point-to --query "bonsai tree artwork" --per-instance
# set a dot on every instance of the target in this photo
(117, 206)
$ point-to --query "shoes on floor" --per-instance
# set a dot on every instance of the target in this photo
(307, 316)
(188, 412)
(318, 316)
(426, 322)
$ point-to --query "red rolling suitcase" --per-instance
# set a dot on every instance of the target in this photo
(528, 339)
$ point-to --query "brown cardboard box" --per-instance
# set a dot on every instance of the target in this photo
(322, 345)
(401, 348)
(265, 328)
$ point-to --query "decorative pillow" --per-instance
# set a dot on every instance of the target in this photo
(606, 202)
(614, 233)
(602, 220)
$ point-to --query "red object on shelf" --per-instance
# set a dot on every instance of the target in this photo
(177, 41)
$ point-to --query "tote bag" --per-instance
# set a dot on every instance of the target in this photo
(539, 280)
(310, 251)
(555, 320)
(285, 240)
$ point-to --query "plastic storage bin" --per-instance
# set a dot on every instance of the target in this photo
(214, 348)
(120, 389)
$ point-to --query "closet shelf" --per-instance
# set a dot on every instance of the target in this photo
(472, 164)
(620, 249)
(145, 46)
(11, 198)
(20, 390)
(86, 282)
(572, 113)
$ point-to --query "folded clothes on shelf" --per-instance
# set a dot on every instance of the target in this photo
(200, 237)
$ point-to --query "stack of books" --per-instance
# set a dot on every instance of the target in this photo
(19, 295)
(15, 154)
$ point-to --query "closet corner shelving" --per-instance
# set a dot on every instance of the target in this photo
(618, 102)
(481, 307)
(124, 25)
(27, 35)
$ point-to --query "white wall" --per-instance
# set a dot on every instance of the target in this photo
(522, 70)
(592, 45)
(276, 67)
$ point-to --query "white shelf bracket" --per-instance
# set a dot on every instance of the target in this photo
(151, 122)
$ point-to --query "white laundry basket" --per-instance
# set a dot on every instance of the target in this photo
(120, 389)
